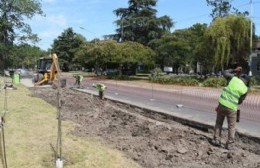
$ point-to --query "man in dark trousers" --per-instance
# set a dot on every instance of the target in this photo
(231, 96)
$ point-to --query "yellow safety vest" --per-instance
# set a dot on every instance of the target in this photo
(230, 95)
(100, 87)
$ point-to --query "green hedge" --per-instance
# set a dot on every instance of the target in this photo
(255, 81)
(119, 77)
(215, 82)
(186, 81)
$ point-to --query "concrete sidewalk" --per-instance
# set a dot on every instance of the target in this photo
(27, 82)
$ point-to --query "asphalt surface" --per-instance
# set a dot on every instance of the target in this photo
(195, 105)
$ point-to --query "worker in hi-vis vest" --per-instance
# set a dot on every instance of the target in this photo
(78, 80)
(101, 88)
(231, 96)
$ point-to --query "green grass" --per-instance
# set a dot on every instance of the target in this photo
(31, 130)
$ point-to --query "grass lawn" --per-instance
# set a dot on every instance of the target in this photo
(31, 131)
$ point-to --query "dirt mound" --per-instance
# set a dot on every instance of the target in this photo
(153, 143)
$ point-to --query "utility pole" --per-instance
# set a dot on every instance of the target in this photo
(251, 40)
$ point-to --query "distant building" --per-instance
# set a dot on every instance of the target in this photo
(255, 66)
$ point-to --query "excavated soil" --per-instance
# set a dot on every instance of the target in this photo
(153, 143)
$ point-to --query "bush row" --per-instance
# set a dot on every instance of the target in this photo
(209, 82)
(189, 81)
(119, 77)
(215, 82)
(186, 81)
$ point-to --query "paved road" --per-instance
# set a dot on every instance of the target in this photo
(197, 104)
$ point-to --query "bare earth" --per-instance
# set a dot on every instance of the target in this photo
(152, 142)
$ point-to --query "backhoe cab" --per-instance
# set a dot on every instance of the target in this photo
(48, 70)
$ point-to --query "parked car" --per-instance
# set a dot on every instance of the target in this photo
(109, 72)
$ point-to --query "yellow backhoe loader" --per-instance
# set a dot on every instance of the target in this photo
(48, 70)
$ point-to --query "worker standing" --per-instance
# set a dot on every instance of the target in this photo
(231, 96)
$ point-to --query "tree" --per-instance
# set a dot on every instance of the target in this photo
(229, 38)
(24, 55)
(132, 53)
(65, 46)
(97, 54)
(139, 23)
(179, 49)
(222, 8)
(173, 49)
(103, 53)
(205, 56)
(13, 14)
(197, 55)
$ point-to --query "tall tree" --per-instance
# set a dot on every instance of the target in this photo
(65, 46)
(139, 23)
(222, 8)
(229, 40)
(13, 14)
(196, 39)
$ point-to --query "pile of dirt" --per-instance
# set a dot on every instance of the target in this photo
(153, 143)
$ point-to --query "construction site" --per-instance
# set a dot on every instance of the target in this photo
(129, 84)
(145, 124)
(148, 138)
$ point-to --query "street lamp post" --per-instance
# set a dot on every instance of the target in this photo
(251, 41)
(95, 42)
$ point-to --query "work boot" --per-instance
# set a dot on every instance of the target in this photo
(216, 142)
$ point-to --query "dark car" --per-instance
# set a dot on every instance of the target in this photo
(109, 72)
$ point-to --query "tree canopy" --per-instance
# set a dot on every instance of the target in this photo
(138, 22)
(66, 45)
(172, 49)
(229, 40)
(222, 8)
(12, 23)
(103, 53)
(24, 55)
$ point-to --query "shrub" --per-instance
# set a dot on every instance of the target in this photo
(186, 81)
(156, 71)
(215, 82)
(255, 80)
(119, 77)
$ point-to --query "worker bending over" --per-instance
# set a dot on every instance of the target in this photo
(231, 96)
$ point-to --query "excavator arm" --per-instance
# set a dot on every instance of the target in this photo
(55, 71)
(53, 74)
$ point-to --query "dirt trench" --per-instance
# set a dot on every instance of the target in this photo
(153, 143)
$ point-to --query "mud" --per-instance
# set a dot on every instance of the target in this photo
(153, 143)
